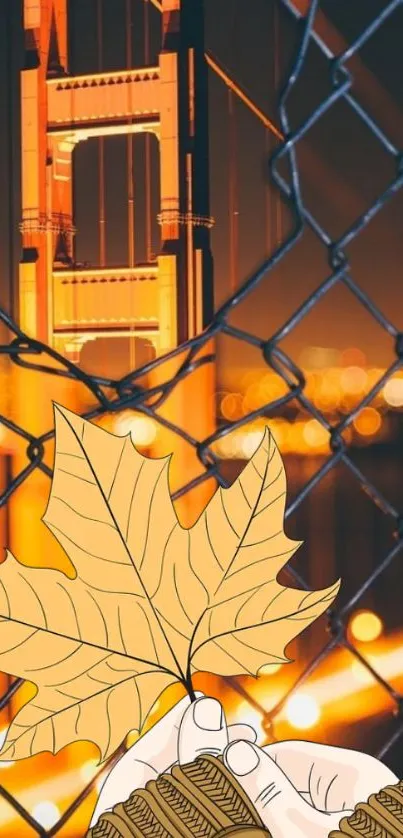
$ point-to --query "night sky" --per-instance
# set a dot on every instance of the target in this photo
(351, 168)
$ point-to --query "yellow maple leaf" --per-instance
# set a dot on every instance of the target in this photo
(152, 602)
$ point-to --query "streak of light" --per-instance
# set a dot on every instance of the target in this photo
(332, 689)
(327, 691)
(351, 682)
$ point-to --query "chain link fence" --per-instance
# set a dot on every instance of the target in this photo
(128, 393)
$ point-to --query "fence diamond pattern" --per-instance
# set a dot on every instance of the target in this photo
(127, 392)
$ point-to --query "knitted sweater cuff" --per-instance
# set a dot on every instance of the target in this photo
(204, 800)
(381, 816)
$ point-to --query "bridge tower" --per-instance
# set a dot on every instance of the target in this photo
(166, 301)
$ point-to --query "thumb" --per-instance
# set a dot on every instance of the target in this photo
(203, 729)
(280, 805)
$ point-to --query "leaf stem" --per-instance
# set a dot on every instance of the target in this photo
(187, 683)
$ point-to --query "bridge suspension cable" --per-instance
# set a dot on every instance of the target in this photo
(147, 148)
(219, 69)
(101, 149)
(242, 95)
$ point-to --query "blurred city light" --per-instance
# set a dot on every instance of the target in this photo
(366, 626)
(318, 357)
(250, 443)
(142, 429)
(46, 813)
(332, 389)
(315, 435)
(88, 769)
(360, 672)
(302, 711)
(254, 398)
(245, 714)
(393, 392)
(368, 421)
(353, 380)
(270, 668)
(231, 406)
(353, 357)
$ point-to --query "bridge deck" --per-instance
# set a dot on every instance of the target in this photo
(103, 100)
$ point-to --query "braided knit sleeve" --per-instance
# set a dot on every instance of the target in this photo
(380, 817)
(204, 800)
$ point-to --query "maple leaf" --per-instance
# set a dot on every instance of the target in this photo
(152, 602)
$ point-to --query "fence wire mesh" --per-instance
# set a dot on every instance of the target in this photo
(116, 395)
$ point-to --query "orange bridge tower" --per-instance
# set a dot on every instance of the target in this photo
(166, 301)
(58, 112)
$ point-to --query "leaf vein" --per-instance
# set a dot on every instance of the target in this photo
(179, 597)
(77, 476)
(117, 468)
(102, 617)
(36, 597)
(226, 513)
(210, 542)
(81, 514)
(55, 663)
(87, 552)
(73, 607)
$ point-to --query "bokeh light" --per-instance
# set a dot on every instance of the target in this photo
(270, 668)
(302, 711)
(393, 392)
(254, 398)
(231, 406)
(368, 422)
(245, 714)
(353, 357)
(315, 435)
(88, 770)
(273, 387)
(327, 393)
(143, 430)
(250, 442)
(46, 813)
(366, 626)
(353, 380)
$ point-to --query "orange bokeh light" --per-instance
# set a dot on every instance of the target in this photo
(393, 392)
(315, 435)
(368, 422)
(302, 711)
(353, 380)
(353, 357)
(231, 406)
(366, 626)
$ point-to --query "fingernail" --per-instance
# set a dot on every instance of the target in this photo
(241, 758)
(208, 714)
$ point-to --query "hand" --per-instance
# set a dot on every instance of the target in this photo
(180, 736)
(302, 788)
